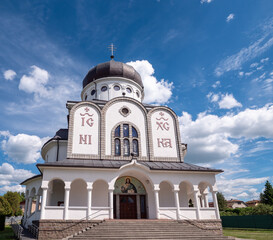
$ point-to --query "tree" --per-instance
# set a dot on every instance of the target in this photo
(5, 210)
(222, 203)
(267, 196)
(14, 200)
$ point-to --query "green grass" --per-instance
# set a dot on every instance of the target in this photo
(7, 234)
(257, 234)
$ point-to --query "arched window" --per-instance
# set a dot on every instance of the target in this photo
(117, 147)
(125, 140)
(126, 147)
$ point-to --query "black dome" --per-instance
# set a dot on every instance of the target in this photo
(112, 69)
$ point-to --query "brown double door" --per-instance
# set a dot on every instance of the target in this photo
(128, 206)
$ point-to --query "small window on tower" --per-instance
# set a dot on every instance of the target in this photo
(129, 90)
(117, 88)
(104, 88)
(117, 132)
(93, 92)
(137, 93)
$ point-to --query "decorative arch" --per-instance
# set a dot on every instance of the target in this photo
(166, 195)
(177, 138)
(55, 196)
(78, 193)
(84, 131)
(205, 189)
(107, 151)
(186, 194)
(100, 196)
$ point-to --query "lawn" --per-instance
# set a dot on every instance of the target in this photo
(7, 234)
(257, 234)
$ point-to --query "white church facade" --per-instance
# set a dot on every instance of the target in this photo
(118, 159)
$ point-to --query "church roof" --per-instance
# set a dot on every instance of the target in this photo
(112, 69)
(171, 166)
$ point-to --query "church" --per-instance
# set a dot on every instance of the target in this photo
(118, 158)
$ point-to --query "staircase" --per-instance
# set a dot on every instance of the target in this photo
(145, 229)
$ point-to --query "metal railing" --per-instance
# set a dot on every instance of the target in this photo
(17, 229)
(34, 230)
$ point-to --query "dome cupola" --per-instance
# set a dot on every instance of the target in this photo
(112, 79)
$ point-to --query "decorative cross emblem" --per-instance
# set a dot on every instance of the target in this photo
(112, 49)
(87, 109)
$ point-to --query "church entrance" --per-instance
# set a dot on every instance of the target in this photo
(129, 199)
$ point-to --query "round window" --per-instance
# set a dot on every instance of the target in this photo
(129, 90)
(104, 88)
(117, 88)
(137, 93)
(93, 92)
(125, 111)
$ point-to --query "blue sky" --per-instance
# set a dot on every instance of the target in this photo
(209, 60)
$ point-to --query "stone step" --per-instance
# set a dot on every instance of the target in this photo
(146, 229)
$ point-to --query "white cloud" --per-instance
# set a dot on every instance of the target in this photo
(228, 102)
(10, 178)
(234, 62)
(9, 74)
(213, 97)
(156, 91)
(35, 82)
(241, 74)
(22, 148)
(211, 138)
(206, 1)
(254, 65)
(264, 60)
(239, 188)
(225, 101)
(216, 84)
(230, 17)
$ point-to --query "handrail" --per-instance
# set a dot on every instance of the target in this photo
(34, 230)
(17, 229)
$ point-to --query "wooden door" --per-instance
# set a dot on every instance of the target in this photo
(128, 207)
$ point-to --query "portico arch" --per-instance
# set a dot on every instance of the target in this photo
(78, 193)
(166, 196)
(130, 198)
(55, 195)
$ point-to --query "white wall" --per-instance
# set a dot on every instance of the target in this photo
(110, 82)
(113, 117)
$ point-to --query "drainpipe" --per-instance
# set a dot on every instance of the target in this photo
(57, 155)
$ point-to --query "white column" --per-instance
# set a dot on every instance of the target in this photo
(197, 203)
(44, 198)
(215, 204)
(205, 195)
(111, 203)
(176, 197)
(66, 202)
(26, 207)
(37, 203)
(29, 206)
(156, 190)
(89, 202)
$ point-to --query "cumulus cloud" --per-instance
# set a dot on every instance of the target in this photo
(225, 101)
(35, 82)
(241, 188)
(228, 102)
(206, 1)
(10, 178)
(22, 148)
(9, 74)
(211, 138)
(262, 44)
(156, 91)
(216, 84)
(230, 17)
